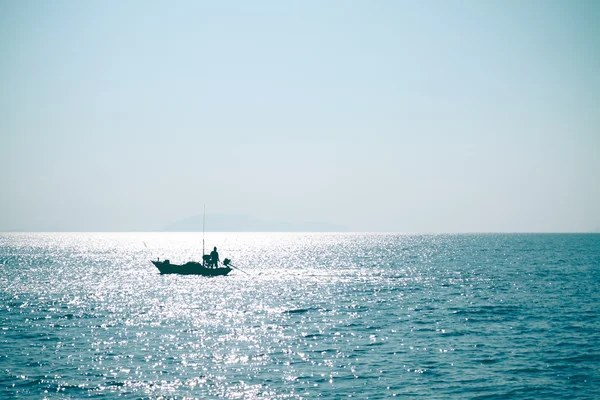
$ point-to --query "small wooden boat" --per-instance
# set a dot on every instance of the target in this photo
(206, 268)
(190, 268)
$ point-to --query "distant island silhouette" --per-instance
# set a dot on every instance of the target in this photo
(245, 223)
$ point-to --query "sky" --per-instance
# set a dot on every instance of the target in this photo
(401, 116)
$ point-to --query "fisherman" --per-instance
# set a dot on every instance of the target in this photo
(214, 258)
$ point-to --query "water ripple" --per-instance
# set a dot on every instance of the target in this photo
(316, 315)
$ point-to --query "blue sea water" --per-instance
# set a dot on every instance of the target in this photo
(316, 315)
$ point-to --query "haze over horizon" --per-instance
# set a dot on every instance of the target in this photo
(458, 116)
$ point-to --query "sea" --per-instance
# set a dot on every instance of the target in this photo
(304, 316)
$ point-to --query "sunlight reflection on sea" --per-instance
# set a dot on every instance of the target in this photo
(329, 315)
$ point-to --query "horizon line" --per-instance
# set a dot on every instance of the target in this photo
(348, 231)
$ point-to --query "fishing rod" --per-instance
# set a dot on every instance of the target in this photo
(233, 266)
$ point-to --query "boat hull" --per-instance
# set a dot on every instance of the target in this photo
(190, 268)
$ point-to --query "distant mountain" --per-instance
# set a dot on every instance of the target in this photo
(245, 223)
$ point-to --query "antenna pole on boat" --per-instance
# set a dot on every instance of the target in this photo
(203, 221)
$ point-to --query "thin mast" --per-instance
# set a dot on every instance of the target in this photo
(203, 220)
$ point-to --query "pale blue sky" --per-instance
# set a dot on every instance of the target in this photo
(420, 116)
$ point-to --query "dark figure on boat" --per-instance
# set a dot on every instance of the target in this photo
(214, 258)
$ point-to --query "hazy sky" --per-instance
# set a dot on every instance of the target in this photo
(409, 116)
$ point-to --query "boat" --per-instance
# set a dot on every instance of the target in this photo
(207, 267)
(192, 268)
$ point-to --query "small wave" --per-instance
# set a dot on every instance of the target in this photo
(488, 361)
(313, 336)
(576, 359)
(305, 310)
(297, 311)
(526, 370)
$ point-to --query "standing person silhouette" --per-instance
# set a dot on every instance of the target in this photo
(214, 258)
